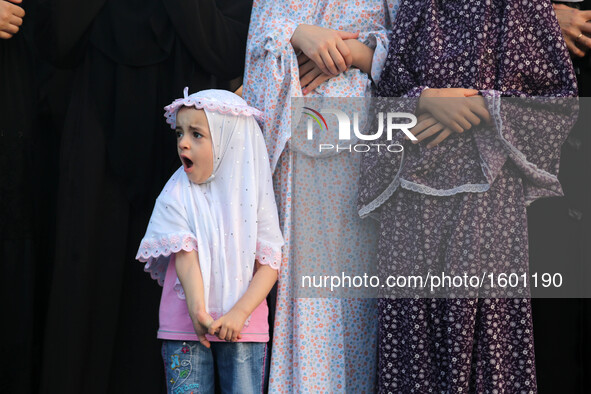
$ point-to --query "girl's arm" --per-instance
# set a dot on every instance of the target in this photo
(189, 274)
(228, 327)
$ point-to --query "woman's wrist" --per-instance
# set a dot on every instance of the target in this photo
(295, 42)
(362, 55)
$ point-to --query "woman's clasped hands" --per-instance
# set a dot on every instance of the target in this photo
(325, 53)
(442, 112)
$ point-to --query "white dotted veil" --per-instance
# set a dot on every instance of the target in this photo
(231, 219)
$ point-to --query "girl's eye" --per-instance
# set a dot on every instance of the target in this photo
(197, 135)
(179, 134)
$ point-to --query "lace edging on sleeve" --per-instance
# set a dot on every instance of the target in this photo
(156, 251)
(267, 254)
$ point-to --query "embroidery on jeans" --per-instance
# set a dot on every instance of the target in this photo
(175, 361)
(186, 387)
(182, 369)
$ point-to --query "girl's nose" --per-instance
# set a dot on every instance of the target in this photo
(184, 142)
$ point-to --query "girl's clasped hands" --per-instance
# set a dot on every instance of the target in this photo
(229, 326)
(226, 328)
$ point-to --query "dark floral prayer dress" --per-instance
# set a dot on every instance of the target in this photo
(460, 207)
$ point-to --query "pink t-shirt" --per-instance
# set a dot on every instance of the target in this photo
(175, 323)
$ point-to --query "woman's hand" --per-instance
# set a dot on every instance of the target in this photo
(325, 47)
(427, 126)
(462, 109)
(311, 76)
(229, 326)
(11, 18)
(438, 116)
(575, 28)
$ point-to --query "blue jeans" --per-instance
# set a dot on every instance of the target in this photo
(190, 367)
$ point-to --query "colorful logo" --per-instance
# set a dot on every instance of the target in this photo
(317, 117)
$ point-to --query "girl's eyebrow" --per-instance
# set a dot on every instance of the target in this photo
(201, 129)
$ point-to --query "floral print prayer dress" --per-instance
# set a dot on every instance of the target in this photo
(319, 344)
(462, 204)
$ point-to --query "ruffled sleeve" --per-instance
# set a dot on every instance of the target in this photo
(168, 232)
(529, 132)
(269, 253)
(274, 39)
(379, 40)
(272, 77)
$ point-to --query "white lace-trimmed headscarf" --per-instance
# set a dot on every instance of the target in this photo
(231, 219)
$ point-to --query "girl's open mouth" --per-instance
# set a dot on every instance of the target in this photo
(187, 163)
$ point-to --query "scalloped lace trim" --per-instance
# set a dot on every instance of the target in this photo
(155, 247)
(415, 187)
(266, 255)
(470, 188)
(381, 199)
(465, 188)
(156, 270)
(385, 195)
(486, 171)
(210, 104)
(153, 252)
(513, 151)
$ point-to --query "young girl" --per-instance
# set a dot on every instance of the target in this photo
(214, 243)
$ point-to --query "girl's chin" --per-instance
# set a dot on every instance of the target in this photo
(193, 177)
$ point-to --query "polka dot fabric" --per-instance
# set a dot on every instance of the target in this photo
(319, 345)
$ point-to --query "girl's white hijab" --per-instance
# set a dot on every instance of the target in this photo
(230, 219)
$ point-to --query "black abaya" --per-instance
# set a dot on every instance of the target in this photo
(131, 58)
(17, 253)
(27, 196)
